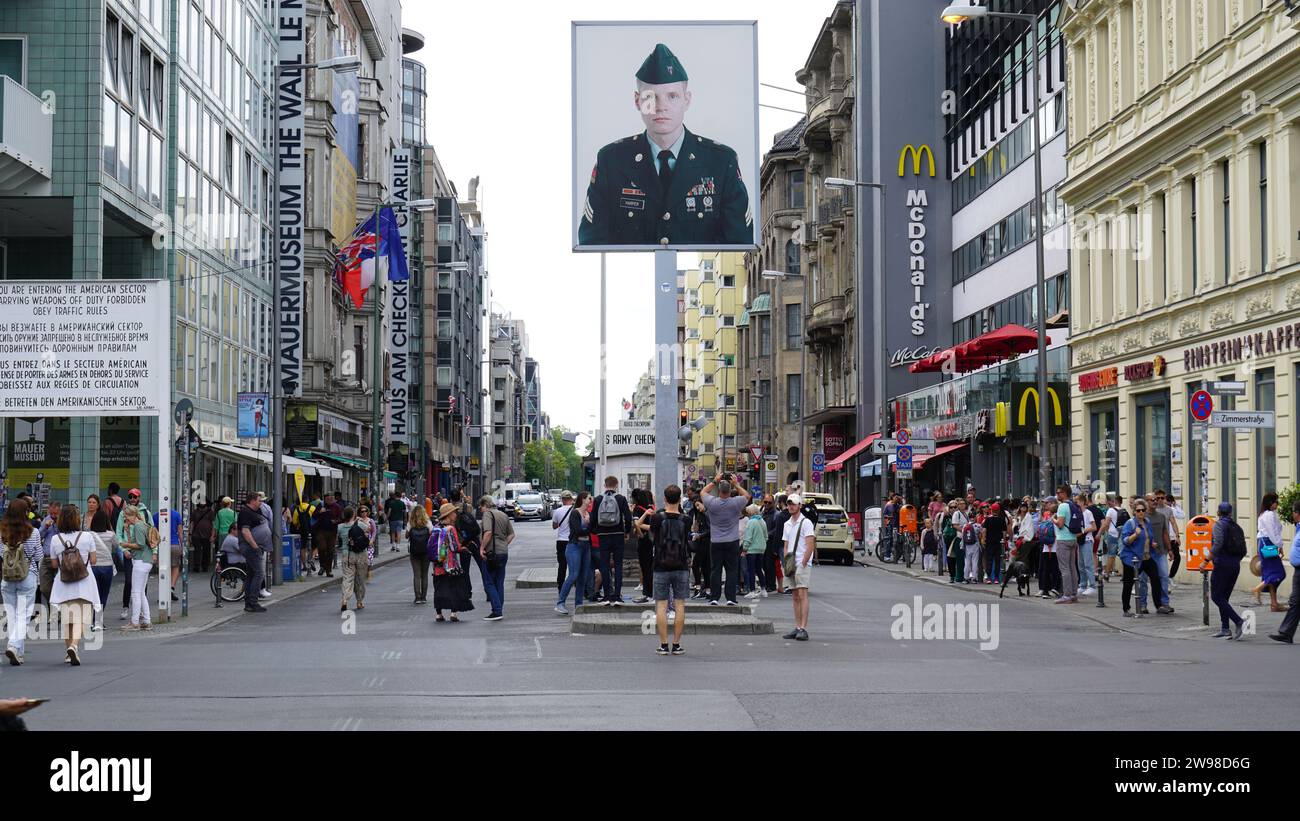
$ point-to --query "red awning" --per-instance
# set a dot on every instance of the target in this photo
(838, 461)
(982, 351)
(920, 460)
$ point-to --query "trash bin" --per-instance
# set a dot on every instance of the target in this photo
(289, 561)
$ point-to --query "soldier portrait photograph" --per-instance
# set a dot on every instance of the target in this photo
(662, 183)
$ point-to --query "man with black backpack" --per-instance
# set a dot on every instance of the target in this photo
(1228, 548)
(611, 520)
(672, 575)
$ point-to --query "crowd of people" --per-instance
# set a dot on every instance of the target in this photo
(694, 547)
(1074, 542)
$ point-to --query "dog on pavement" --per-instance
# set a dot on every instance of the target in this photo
(1020, 570)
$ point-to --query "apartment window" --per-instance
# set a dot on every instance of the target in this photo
(1227, 223)
(11, 58)
(793, 397)
(763, 324)
(444, 377)
(795, 179)
(1263, 207)
(729, 281)
(359, 351)
(708, 379)
(1265, 438)
(707, 310)
(728, 322)
(707, 345)
(1164, 247)
(791, 257)
(793, 327)
(1191, 194)
(1227, 450)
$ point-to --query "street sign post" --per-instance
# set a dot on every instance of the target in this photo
(756, 453)
(818, 463)
(903, 436)
(1201, 405)
(1243, 419)
(1228, 388)
(902, 473)
(770, 471)
(817, 477)
(920, 447)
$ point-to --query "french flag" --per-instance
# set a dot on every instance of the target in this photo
(354, 267)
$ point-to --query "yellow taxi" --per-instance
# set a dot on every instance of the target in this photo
(834, 535)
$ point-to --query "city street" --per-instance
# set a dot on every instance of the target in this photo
(294, 668)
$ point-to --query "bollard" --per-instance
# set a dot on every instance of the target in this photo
(1101, 585)
(1205, 598)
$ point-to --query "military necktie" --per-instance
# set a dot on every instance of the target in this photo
(665, 169)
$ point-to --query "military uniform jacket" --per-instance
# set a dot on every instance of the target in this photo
(706, 202)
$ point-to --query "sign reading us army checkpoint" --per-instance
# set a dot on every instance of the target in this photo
(84, 347)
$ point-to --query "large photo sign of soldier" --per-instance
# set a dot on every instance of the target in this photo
(665, 123)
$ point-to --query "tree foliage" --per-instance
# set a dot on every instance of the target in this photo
(553, 462)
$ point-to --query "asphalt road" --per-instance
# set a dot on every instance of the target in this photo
(295, 668)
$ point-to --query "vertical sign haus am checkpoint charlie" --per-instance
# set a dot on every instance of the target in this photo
(399, 318)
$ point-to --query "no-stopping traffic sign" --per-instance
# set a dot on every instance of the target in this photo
(1201, 406)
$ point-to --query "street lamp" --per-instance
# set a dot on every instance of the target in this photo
(882, 357)
(960, 14)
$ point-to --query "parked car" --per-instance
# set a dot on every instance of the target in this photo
(834, 536)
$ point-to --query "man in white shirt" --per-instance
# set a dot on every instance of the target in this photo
(799, 539)
(560, 524)
(1110, 533)
(1173, 513)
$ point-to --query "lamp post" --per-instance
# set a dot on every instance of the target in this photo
(960, 14)
(882, 352)
(277, 361)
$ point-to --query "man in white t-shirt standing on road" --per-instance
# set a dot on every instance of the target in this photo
(560, 524)
(799, 540)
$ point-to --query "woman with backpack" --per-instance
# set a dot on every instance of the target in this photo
(353, 537)
(23, 552)
(418, 549)
(372, 536)
(75, 592)
(1228, 548)
(577, 554)
(450, 559)
(134, 538)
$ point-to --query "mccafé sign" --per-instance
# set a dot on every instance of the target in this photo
(1098, 380)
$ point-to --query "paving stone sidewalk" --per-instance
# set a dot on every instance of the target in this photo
(1186, 622)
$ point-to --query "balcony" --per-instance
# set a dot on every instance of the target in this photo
(26, 141)
(827, 318)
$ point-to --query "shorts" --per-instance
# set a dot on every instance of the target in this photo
(176, 555)
(672, 585)
(1110, 548)
(395, 528)
(802, 577)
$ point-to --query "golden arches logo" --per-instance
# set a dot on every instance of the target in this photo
(1024, 406)
(917, 154)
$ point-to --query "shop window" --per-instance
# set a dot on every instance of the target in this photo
(1152, 430)
(1104, 437)
(1265, 438)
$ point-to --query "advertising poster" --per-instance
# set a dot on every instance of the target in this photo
(254, 415)
(301, 426)
(665, 135)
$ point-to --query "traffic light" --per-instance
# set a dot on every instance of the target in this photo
(683, 417)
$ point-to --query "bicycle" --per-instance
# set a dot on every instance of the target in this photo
(885, 546)
(909, 548)
(227, 583)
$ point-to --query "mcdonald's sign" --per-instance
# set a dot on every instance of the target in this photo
(1025, 406)
(917, 153)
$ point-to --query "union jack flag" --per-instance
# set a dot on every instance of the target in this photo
(354, 266)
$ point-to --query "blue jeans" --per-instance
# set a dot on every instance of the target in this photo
(577, 560)
(755, 573)
(495, 582)
(20, 600)
(612, 544)
(103, 579)
(1162, 565)
(1087, 564)
(600, 561)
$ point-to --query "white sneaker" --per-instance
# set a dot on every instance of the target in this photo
(762, 594)
(126, 614)
(264, 594)
(752, 595)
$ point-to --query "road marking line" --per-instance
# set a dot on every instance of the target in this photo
(537, 641)
(391, 655)
(846, 615)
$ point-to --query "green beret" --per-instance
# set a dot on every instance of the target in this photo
(662, 66)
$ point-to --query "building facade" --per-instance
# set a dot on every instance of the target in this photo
(826, 149)
(1184, 182)
(715, 294)
(510, 431)
(770, 335)
(989, 144)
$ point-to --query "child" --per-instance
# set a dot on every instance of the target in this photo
(929, 546)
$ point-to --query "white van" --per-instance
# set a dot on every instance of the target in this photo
(509, 491)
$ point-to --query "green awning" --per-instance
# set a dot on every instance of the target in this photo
(762, 303)
(743, 321)
(345, 461)
(388, 474)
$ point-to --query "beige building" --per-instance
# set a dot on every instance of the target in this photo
(714, 296)
(771, 326)
(1184, 187)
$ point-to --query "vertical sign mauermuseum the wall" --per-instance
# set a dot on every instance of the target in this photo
(399, 318)
(290, 201)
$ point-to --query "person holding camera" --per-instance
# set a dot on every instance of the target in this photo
(498, 532)
(725, 509)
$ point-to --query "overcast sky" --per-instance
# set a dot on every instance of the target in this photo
(499, 108)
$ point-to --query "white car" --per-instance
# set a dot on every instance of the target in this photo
(530, 506)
